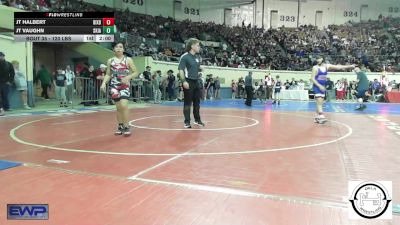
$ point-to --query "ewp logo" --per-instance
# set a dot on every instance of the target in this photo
(28, 212)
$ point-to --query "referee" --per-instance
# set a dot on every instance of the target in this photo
(248, 86)
(189, 68)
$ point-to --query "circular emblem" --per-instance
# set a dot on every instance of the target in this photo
(370, 200)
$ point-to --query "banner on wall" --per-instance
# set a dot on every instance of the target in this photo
(211, 44)
(137, 6)
(191, 10)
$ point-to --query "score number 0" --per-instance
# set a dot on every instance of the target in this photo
(108, 21)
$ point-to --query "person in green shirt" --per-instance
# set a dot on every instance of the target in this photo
(45, 80)
(362, 88)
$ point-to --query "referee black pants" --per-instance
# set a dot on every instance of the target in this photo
(192, 95)
(249, 93)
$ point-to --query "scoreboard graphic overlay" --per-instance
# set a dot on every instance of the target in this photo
(64, 26)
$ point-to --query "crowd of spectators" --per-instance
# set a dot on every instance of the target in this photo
(374, 43)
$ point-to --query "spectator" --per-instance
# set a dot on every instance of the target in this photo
(94, 89)
(217, 86)
(60, 82)
(372, 42)
(177, 87)
(241, 88)
(20, 84)
(171, 83)
(155, 82)
(330, 92)
(269, 86)
(300, 85)
(339, 90)
(345, 85)
(45, 80)
(376, 86)
(7, 74)
(146, 83)
(287, 85)
(210, 87)
(234, 89)
(180, 95)
(100, 74)
(70, 76)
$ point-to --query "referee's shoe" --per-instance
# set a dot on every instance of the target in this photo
(199, 123)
